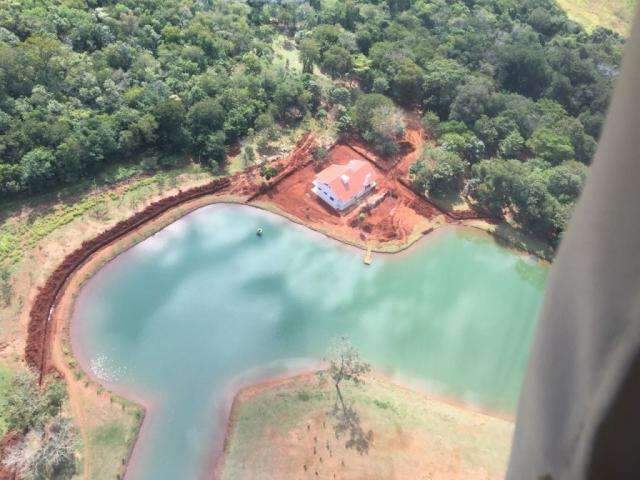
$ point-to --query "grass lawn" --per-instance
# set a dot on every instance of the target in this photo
(112, 428)
(284, 431)
(5, 376)
(614, 14)
(286, 53)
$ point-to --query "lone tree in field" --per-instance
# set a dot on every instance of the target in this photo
(345, 365)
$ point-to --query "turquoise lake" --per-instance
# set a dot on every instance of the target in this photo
(186, 316)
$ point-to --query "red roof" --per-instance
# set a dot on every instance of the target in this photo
(347, 180)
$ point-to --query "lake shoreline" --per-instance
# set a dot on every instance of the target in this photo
(64, 310)
(110, 251)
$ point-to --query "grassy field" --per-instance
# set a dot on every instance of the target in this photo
(283, 430)
(47, 213)
(112, 424)
(4, 379)
(614, 14)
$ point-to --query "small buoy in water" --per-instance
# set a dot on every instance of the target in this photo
(259, 232)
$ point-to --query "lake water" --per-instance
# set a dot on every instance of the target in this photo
(182, 317)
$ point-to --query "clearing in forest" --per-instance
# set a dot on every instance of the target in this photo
(614, 14)
(390, 218)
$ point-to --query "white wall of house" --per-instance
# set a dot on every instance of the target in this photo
(325, 193)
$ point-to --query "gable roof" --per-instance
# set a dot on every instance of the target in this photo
(347, 180)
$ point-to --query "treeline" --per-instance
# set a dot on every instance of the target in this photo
(86, 83)
(499, 81)
(513, 91)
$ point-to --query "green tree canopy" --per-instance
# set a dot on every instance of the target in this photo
(439, 172)
(379, 121)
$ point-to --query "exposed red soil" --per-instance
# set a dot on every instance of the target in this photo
(297, 159)
(6, 442)
(401, 214)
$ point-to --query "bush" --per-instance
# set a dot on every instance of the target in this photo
(379, 122)
(512, 145)
(319, 154)
(264, 122)
(380, 85)
(340, 96)
(304, 396)
(149, 163)
(551, 146)
(45, 454)
(467, 145)
(25, 406)
(438, 172)
(6, 290)
(431, 123)
(268, 172)
(172, 160)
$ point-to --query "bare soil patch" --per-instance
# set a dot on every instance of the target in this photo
(398, 220)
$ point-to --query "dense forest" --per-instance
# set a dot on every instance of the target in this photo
(512, 91)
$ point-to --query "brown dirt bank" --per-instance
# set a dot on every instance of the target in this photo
(416, 435)
(38, 331)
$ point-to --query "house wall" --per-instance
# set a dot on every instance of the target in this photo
(323, 191)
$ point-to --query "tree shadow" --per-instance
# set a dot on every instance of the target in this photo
(348, 422)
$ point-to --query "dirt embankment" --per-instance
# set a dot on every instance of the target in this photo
(390, 219)
(38, 330)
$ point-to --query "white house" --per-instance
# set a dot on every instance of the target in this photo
(341, 186)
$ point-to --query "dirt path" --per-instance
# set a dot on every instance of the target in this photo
(415, 138)
(77, 412)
